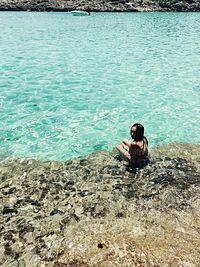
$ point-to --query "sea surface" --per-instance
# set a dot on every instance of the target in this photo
(71, 85)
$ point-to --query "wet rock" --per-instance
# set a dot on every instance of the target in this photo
(130, 194)
(69, 185)
(17, 248)
(56, 211)
(10, 211)
(10, 236)
(43, 193)
(120, 214)
(40, 245)
(87, 171)
(43, 210)
(19, 202)
(53, 247)
(7, 250)
(118, 187)
(11, 190)
(30, 258)
(55, 166)
(100, 211)
(100, 245)
(29, 237)
(66, 219)
(95, 210)
(79, 210)
(29, 200)
(112, 170)
(21, 263)
(84, 162)
(84, 193)
(24, 227)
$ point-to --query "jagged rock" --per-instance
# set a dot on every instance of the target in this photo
(46, 206)
(97, 6)
(10, 211)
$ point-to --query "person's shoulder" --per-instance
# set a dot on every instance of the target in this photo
(134, 146)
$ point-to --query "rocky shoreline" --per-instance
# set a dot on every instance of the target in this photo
(71, 213)
(101, 6)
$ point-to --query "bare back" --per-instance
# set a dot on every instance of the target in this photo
(138, 150)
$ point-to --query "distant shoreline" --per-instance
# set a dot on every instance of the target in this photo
(101, 6)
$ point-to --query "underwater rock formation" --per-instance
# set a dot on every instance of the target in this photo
(100, 6)
(52, 211)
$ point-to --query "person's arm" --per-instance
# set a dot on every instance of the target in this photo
(123, 151)
(127, 142)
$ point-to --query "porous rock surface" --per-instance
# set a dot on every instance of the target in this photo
(39, 200)
(100, 5)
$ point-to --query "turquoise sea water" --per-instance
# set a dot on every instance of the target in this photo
(73, 85)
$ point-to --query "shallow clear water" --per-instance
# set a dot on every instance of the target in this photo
(73, 85)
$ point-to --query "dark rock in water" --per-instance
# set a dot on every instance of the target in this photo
(100, 245)
(65, 220)
(179, 173)
(118, 187)
(9, 236)
(84, 162)
(7, 210)
(7, 249)
(24, 227)
(120, 215)
(56, 211)
(12, 190)
(130, 194)
(84, 193)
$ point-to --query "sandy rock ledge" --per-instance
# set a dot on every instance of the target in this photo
(92, 211)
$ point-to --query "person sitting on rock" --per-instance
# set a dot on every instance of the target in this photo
(136, 150)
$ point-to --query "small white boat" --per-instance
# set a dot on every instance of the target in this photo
(80, 13)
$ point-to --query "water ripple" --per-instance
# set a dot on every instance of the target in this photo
(72, 85)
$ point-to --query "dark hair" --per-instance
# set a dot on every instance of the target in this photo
(139, 134)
